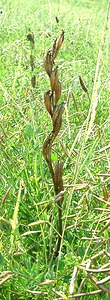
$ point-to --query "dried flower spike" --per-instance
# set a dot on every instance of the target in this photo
(51, 98)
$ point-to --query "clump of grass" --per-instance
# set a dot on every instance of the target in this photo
(55, 110)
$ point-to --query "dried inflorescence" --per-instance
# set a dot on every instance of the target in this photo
(30, 38)
(51, 98)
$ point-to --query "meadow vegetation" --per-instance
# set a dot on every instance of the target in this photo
(28, 206)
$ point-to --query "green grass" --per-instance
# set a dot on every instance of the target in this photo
(26, 251)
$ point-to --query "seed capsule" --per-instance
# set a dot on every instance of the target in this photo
(59, 40)
(57, 118)
(48, 102)
(57, 91)
(54, 79)
(48, 62)
(47, 145)
(54, 50)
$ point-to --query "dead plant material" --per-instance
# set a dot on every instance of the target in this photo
(36, 292)
(8, 277)
(33, 81)
(30, 38)
(82, 84)
(6, 194)
(90, 267)
(51, 99)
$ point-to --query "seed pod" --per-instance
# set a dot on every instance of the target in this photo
(54, 52)
(82, 84)
(47, 145)
(33, 81)
(58, 177)
(57, 91)
(57, 118)
(54, 79)
(59, 40)
(48, 102)
(48, 62)
(57, 20)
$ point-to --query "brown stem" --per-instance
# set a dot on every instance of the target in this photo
(59, 231)
(59, 211)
